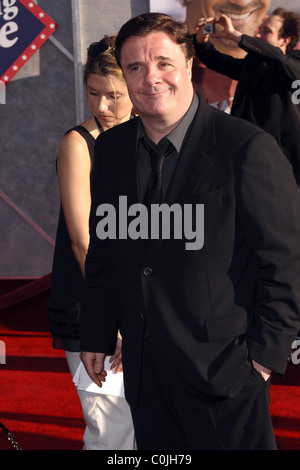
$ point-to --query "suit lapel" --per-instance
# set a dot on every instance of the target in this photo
(194, 162)
(124, 168)
(127, 164)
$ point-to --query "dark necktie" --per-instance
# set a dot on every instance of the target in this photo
(153, 193)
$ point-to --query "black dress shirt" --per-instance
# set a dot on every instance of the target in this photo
(176, 137)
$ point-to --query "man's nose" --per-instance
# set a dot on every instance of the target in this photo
(152, 76)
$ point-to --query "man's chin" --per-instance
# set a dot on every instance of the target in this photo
(228, 47)
(228, 42)
(223, 44)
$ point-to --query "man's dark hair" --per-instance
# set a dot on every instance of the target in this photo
(290, 27)
(148, 23)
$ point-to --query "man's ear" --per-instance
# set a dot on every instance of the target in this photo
(189, 66)
(286, 41)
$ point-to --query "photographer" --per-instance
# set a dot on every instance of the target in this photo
(265, 76)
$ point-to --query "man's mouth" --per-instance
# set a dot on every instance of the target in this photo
(234, 16)
(154, 93)
(239, 18)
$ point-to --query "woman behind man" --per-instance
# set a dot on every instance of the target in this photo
(107, 417)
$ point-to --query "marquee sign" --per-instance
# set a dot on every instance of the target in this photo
(24, 28)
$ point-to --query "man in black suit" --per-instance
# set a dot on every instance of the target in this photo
(208, 308)
(267, 76)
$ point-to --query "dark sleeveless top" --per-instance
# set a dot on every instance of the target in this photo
(67, 280)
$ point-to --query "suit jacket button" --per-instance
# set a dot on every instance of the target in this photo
(147, 271)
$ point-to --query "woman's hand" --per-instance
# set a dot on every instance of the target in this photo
(116, 359)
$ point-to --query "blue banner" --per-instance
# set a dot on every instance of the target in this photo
(24, 27)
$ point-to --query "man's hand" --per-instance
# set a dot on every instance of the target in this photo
(266, 373)
(94, 365)
(223, 29)
(200, 37)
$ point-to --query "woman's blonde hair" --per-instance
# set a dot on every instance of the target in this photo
(105, 62)
(102, 61)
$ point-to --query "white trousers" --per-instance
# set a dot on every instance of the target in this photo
(108, 418)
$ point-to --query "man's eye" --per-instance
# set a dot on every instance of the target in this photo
(164, 65)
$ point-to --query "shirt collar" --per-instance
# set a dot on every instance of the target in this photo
(177, 135)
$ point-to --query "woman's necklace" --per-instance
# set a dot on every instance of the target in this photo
(99, 125)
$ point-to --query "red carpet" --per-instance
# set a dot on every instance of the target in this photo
(39, 403)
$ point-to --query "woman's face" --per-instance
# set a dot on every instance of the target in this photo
(108, 99)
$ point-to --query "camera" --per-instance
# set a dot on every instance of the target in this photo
(208, 28)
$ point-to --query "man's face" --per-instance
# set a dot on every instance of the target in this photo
(246, 16)
(158, 76)
(269, 31)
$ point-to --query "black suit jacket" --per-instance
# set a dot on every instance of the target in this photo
(206, 310)
(264, 91)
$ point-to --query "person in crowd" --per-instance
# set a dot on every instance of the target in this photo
(246, 15)
(206, 299)
(266, 76)
(108, 419)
